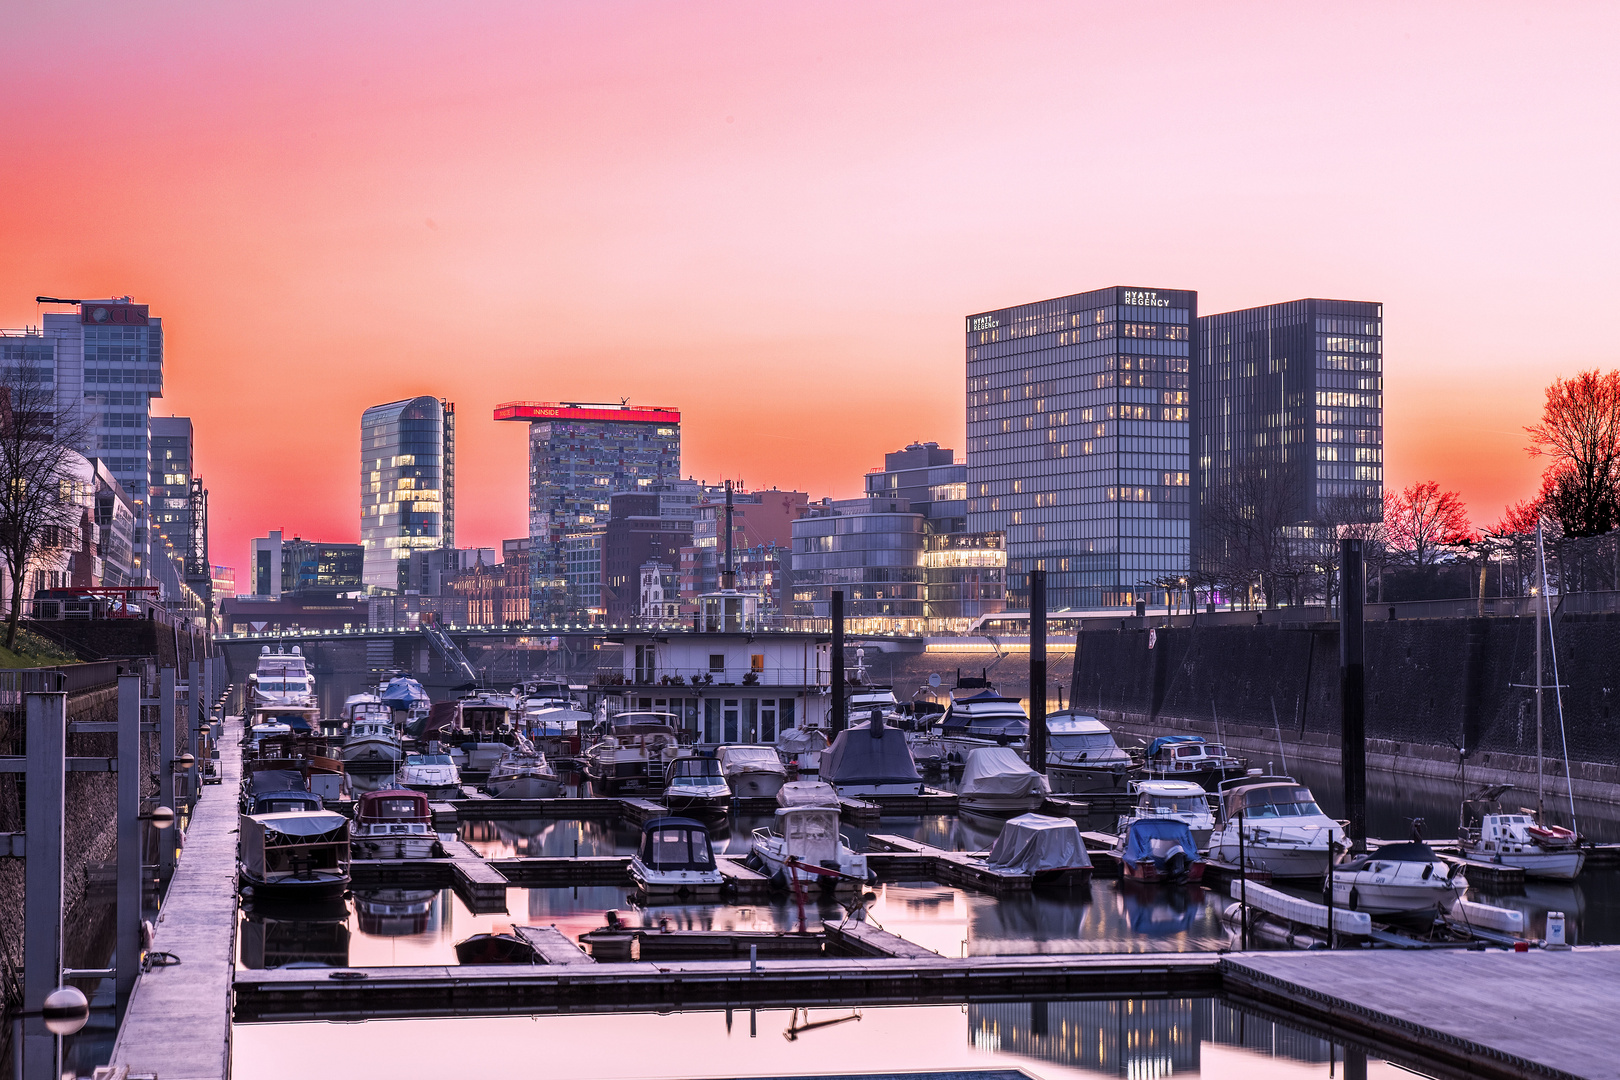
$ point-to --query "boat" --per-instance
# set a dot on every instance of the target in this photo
(1189, 757)
(371, 744)
(675, 859)
(364, 706)
(484, 729)
(696, 786)
(1082, 756)
(806, 841)
(1048, 849)
(871, 759)
(295, 762)
(1181, 800)
(996, 781)
(1397, 879)
(1488, 833)
(394, 824)
(978, 716)
(523, 773)
(273, 798)
(1283, 831)
(496, 949)
(281, 690)
(753, 772)
(296, 855)
(801, 749)
(632, 752)
(1160, 850)
(433, 773)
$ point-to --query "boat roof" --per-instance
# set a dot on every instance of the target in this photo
(1067, 723)
(302, 822)
(1255, 781)
(1171, 740)
(674, 823)
(391, 793)
(1170, 787)
(983, 697)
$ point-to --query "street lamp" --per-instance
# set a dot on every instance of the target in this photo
(65, 1011)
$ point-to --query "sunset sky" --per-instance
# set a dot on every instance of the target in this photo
(774, 216)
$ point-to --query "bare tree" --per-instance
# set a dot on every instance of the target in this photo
(41, 479)
(1580, 432)
(1422, 520)
(1249, 522)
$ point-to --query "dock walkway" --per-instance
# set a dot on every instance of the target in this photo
(179, 1020)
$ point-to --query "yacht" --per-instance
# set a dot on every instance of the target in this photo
(552, 721)
(1397, 879)
(371, 745)
(433, 773)
(524, 773)
(633, 752)
(996, 781)
(1082, 756)
(753, 772)
(1180, 800)
(1284, 832)
(1489, 834)
(675, 859)
(281, 679)
(1189, 757)
(483, 729)
(696, 786)
(302, 854)
(806, 834)
(1160, 850)
(394, 824)
(978, 716)
(871, 759)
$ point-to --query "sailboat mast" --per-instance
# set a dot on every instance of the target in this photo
(1541, 598)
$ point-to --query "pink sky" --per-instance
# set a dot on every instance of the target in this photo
(773, 217)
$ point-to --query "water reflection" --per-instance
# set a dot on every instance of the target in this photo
(395, 912)
(301, 935)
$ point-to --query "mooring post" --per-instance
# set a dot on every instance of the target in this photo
(838, 707)
(1037, 670)
(44, 808)
(128, 955)
(196, 715)
(165, 764)
(1353, 691)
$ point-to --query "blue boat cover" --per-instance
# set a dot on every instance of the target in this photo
(402, 692)
(1171, 833)
(1171, 740)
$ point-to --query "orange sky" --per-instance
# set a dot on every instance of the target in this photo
(774, 216)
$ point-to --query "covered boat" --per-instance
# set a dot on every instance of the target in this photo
(404, 694)
(802, 748)
(996, 781)
(1160, 849)
(871, 759)
(753, 772)
(1397, 879)
(303, 854)
(806, 841)
(394, 824)
(1082, 756)
(675, 859)
(1042, 847)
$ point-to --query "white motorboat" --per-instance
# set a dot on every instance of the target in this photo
(523, 773)
(696, 786)
(364, 707)
(1180, 800)
(281, 679)
(484, 728)
(871, 759)
(996, 781)
(1397, 879)
(806, 840)
(371, 745)
(632, 752)
(1082, 756)
(675, 859)
(754, 772)
(1283, 830)
(394, 824)
(433, 773)
(978, 716)
(1490, 834)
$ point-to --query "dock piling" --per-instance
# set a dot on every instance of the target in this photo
(45, 807)
(128, 912)
(838, 705)
(1037, 670)
(1353, 690)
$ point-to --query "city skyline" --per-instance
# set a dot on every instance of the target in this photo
(777, 226)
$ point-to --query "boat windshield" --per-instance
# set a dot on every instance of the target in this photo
(1081, 742)
(1273, 801)
(1215, 751)
(427, 759)
(696, 771)
(1166, 804)
(675, 847)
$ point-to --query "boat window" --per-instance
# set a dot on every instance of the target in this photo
(1215, 751)
(1081, 742)
(1188, 751)
(1168, 804)
(395, 808)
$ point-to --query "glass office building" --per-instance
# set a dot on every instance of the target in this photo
(579, 454)
(1296, 390)
(407, 486)
(1078, 425)
(872, 550)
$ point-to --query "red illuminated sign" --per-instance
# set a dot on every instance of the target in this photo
(113, 314)
(551, 410)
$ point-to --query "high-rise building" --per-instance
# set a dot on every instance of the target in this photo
(179, 504)
(1289, 397)
(639, 531)
(407, 485)
(871, 549)
(1078, 420)
(295, 567)
(579, 454)
(930, 477)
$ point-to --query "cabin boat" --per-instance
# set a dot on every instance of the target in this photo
(496, 949)
(275, 799)
(303, 757)
(1189, 757)
(978, 716)
(1082, 756)
(281, 679)
(1181, 800)
(298, 855)
(996, 781)
(394, 824)
(871, 759)
(524, 773)
(364, 706)
(553, 721)
(801, 749)
(484, 729)
(675, 859)
(1048, 849)
(806, 840)
(633, 752)
(404, 694)
(753, 772)
(1284, 832)
(1160, 850)
(1490, 834)
(1397, 879)
(371, 744)
(433, 773)
(696, 786)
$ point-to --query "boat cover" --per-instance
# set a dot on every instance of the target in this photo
(1033, 843)
(867, 755)
(304, 822)
(265, 781)
(402, 693)
(807, 793)
(802, 741)
(1153, 839)
(1171, 740)
(998, 770)
(735, 759)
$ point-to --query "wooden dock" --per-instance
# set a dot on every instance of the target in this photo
(849, 938)
(553, 945)
(480, 883)
(956, 867)
(178, 1023)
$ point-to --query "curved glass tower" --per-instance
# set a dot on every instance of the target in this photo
(407, 485)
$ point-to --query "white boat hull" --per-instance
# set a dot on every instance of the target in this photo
(1000, 805)
(380, 752)
(1552, 865)
(682, 884)
(1279, 860)
(390, 846)
(1388, 898)
(772, 855)
(524, 787)
(762, 784)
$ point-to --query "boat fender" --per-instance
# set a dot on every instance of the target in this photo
(1428, 871)
(1355, 899)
